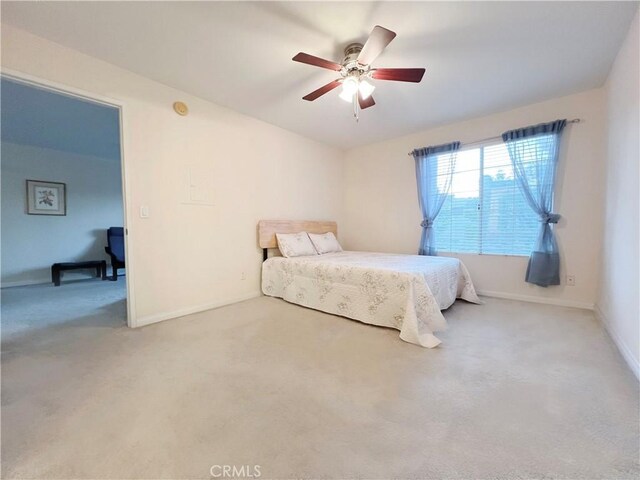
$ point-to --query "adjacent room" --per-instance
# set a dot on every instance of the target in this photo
(61, 204)
(341, 240)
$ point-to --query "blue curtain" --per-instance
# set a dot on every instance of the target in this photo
(434, 171)
(534, 155)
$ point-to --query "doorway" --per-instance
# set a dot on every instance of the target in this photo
(63, 209)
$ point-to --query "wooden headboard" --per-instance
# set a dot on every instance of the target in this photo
(267, 230)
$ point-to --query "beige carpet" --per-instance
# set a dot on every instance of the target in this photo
(516, 391)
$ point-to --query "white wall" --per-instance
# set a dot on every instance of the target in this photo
(382, 214)
(191, 257)
(618, 302)
(32, 243)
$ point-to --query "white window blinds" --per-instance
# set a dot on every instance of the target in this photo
(485, 212)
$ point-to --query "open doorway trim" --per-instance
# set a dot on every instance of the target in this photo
(124, 168)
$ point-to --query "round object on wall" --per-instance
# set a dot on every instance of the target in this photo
(181, 108)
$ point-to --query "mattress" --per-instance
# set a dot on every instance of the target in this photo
(405, 292)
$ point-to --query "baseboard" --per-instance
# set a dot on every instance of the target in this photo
(634, 365)
(41, 281)
(25, 283)
(529, 298)
(160, 317)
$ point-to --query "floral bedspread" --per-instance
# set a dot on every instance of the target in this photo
(405, 292)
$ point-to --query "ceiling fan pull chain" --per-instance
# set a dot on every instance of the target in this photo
(355, 107)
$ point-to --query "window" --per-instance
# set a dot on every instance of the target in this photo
(485, 212)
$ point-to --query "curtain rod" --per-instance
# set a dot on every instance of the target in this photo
(475, 142)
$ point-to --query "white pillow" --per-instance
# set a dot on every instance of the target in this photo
(295, 244)
(325, 242)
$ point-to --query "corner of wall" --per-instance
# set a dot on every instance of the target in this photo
(623, 348)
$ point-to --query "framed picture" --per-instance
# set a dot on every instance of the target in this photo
(46, 198)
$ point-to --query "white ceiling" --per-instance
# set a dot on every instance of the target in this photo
(43, 118)
(481, 57)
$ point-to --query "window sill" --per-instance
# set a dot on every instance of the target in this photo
(517, 255)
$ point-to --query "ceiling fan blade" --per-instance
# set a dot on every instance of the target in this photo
(398, 74)
(316, 61)
(379, 38)
(365, 102)
(322, 90)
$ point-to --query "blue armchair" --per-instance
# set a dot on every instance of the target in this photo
(115, 249)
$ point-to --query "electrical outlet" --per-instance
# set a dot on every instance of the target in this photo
(243, 276)
(571, 280)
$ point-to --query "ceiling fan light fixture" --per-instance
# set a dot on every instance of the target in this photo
(365, 89)
(349, 88)
(346, 96)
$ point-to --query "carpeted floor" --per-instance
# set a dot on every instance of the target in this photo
(515, 391)
(94, 302)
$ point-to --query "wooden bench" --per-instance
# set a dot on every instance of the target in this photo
(57, 268)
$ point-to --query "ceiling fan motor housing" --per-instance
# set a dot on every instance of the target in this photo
(349, 63)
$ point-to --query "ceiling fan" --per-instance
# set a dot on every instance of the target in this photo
(355, 70)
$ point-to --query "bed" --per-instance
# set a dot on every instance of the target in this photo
(405, 292)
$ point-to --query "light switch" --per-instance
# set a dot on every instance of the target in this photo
(144, 211)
